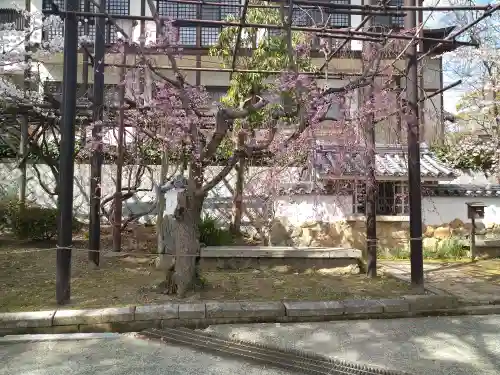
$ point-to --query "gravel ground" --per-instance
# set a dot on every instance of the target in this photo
(113, 355)
(437, 346)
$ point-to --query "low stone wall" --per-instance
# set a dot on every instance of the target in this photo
(346, 233)
(284, 259)
(393, 233)
(201, 314)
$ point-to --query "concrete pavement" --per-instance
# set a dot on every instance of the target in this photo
(113, 355)
(468, 345)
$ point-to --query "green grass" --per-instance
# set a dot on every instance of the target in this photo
(447, 250)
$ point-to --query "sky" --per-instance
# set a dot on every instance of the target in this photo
(437, 20)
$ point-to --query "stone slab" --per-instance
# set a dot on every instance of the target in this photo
(482, 299)
(278, 252)
(192, 311)
(430, 302)
(94, 316)
(223, 309)
(263, 309)
(120, 327)
(244, 309)
(394, 305)
(157, 312)
(319, 308)
(367, 306)
(34, 319)
(480, 310)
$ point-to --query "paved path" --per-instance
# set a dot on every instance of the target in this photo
(479, 280)
(436, 346)
(116, 355)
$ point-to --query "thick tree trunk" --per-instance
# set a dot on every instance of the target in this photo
(183, 275)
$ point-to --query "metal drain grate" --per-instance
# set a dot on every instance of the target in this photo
(292, 360)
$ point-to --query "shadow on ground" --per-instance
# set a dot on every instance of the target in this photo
(442, 345)
(116, 356)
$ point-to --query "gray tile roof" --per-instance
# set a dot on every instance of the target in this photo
(466, 190)
(390, 161)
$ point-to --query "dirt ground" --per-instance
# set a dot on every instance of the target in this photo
(27, 282)
(463, 279)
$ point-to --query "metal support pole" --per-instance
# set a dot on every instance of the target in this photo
(96, 157)
(413, 123)
(67, 148)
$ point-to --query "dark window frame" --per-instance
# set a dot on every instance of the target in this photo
(390, 21)
(121, 7)
(8, 15)
(392, 198)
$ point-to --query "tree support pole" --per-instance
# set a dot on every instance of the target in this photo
(117, 205)
(415, 188)
(96, 157)
(371, 180)
(23, 147)
(67, 148)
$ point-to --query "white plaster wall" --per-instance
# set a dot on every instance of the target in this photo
(298, 209)
(439, 210)
(307, 208)
(259, 181)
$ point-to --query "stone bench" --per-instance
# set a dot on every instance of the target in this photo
(263, 257)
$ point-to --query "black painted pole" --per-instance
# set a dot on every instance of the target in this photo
(96, 157)
(415, 188)
(67, 148)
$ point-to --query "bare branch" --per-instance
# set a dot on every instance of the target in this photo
(218, 178)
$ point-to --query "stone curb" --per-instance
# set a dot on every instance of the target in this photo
(203, 314)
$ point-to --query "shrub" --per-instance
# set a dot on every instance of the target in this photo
(212, 234)
(8, 204)
(451, 248)
(33, 223)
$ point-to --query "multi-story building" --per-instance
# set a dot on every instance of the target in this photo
(196, 41)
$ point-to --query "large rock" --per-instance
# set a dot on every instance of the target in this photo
(429, 231)
(456, 223)
(442, 232)
(279, 234)
(430, 243)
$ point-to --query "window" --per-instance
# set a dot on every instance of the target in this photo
(120, 7)
(314, 16)
(392, 198)
(391, 21)
(12, 16)
(188, 35)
